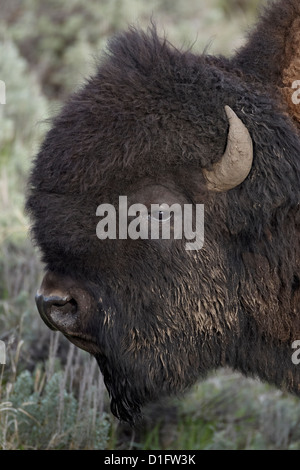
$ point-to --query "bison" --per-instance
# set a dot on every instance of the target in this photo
(161, 126)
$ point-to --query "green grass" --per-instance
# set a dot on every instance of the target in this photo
(51, 394)
(225, 412)
(53, 407)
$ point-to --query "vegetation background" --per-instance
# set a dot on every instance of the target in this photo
(51, 393)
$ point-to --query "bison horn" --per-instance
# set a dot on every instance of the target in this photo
(236, 163)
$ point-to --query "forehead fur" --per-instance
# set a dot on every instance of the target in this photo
(148, 106)
(153, 111)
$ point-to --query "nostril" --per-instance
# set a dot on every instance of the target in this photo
(55, 300)
(67, 305)
(56, 310)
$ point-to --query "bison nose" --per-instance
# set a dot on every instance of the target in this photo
(58, 312)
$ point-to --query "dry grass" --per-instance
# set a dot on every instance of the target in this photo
(53, 407)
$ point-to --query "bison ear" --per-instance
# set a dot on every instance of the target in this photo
(272, 53)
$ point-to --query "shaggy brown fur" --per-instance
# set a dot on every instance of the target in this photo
(155, 316)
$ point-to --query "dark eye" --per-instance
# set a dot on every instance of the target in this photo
(160, 215)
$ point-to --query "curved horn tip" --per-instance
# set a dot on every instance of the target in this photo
(236, 163)
(229, 112)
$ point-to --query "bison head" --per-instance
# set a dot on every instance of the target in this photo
(161, 126)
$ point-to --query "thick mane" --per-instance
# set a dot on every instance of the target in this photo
(276, 30)
(279, 31)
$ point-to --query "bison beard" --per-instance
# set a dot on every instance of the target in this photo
(160, 125)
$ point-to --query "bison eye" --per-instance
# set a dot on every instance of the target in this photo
(160, 215)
